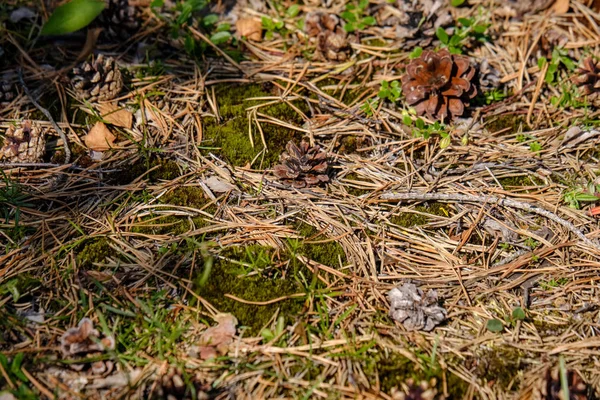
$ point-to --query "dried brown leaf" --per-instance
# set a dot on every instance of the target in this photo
(99, 138)
(561, 6)
(216, 339)
(251, 28)
(115, 115)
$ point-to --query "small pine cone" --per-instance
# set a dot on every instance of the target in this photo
(411, 391)
(302, 166)
(439, 84)
(588, 78)
(24, 144)
(332, 39)
(551, 388)
(97, 80)
(120, 20)
(415, 309)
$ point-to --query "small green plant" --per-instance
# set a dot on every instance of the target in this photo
(467, 29)
(569, 97)
(417, 51)
(369, 107)
(17, 380)
(420, 129)
(271, 26)
(574, 197)
(559, 57)
(496, 325)
(390, 91)
(355, 16)
(534, 145)
(494, 95)
(269, 335)
(553, 283)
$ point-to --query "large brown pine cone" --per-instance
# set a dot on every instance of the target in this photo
(588, 78)
(23, 144)
(331, 38)
(120, 20)
(97, 80)
(439, 84)
(302, 165)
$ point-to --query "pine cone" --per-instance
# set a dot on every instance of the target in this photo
(439, 84)
(302, 166)
(120, 20)
(411, 391)
(331, 38)
(97, 80)
(414, 309)
(551, 389)
(23, 144)
(588, 78)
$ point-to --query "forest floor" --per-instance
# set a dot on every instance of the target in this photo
(206, 276)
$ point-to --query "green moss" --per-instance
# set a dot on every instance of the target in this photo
(502, 122)
(230, 137)
(499, 366)
(408, 219)
(519, 181)
(224, 278)
(329, 253)
(167, 170)
(95, 251)
(395, 369)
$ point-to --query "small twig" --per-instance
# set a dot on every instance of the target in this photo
(48, 115)
(492, 200)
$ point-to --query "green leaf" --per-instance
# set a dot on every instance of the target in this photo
(415, 53)
(586, 197)
(220, 37)
(480, 28)
(442, 35)
(456, 3)
(157, 3)
(363, 4)
(541, 62)
(518, 314)
(15, 367)
(420, 124)
(348, 16)
(72, 16)
(293, 11)
(267, 334)
(223, 27)
(445, 142)
(466, 21)
(349, 27)
(369, 21)
(455, 40)
(494, 325)
(210, 19)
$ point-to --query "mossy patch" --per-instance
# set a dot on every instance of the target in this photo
(519, 181)
(94, 251)
(230, 136)
(499, 366)
(408, 219)
(226, 277)
(164, 170)
(509, 123)
(395, 369)
(328, 253)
